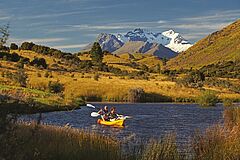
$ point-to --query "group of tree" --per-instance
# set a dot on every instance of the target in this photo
(14, 57)
(39, 62)
(193, 79)
(227, 69)
(48, 51)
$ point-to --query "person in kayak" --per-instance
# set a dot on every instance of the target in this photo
(104, 113)
(113, 115)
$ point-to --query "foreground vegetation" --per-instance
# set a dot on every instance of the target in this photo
(37, 141)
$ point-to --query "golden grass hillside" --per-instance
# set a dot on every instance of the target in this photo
(108, 87)
(223, 45)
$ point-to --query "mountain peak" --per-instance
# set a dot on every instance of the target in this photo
(169, 39)
(169, 32)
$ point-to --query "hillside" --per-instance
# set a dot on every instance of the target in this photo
(223, 45)
(52, 77)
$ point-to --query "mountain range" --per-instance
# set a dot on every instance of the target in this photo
(163, 45)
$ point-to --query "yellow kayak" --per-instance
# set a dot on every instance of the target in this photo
(117, 123)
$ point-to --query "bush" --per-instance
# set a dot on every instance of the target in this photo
(13, 46)
(39, 62)
(46, 75)
(193, 79)
(96, 77)
(227, 102)
(136, 95)
(231, 116)
(207, 98)
(78, 101)
(55, 87)
(21, 77)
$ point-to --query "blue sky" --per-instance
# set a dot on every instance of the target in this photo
(71, 24)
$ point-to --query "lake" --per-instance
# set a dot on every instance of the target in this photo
(151, 120)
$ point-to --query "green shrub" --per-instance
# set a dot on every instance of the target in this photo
(55, 87)
(46, 74)
(227, 102)
(194, 79)
(20, 77)
(96, 77)
(207, 98)
(13, 46)
(79, 101)
(39, 62)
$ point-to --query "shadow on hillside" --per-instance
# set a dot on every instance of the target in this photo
(154, 97)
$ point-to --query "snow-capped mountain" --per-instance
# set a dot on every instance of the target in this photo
(166, 44)
(169, 39)
(108, 42)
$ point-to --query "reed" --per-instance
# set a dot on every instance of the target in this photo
(33, 141)
(165, 148)
(218, 141)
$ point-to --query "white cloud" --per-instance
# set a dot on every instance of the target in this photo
(50, 15)
(70, 46)
(161, 21)
(202, 26)
(4, 17)
(220, 15)
(36, 40)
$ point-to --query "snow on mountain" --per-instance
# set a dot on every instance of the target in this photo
(177, 42)
(166, 44)
(109, 42)
(169, 38)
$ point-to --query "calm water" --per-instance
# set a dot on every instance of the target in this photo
(149, 120)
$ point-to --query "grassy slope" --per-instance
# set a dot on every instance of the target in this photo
(223, 45)
(108, 88)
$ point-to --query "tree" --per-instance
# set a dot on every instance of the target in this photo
(136, 95)
(13, 46)
(96, 53)
(39, 62)
(207, 98)
(55, 87)
(27, 46)
(164, 61)
(5, 34)
(21, 77)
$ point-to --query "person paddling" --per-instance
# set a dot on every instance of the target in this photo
(104, 113)
(112, 114)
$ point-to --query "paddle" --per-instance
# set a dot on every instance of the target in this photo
(94, 114)
(91, 106)
(125, 117)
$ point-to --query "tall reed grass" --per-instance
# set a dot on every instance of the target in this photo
(51, 142)
(219, 141)
(165, 148)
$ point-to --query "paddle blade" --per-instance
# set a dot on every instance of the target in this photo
(90, 105)
(94, 114)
